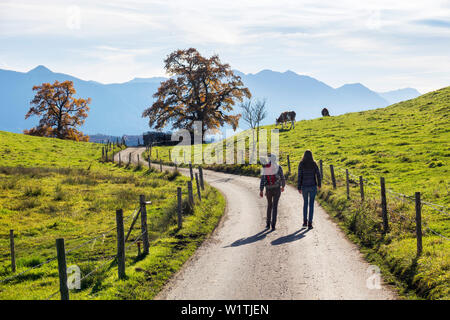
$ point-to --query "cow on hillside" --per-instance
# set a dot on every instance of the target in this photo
(325, 112)
(285, 117)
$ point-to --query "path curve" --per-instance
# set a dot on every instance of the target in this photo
(242, 260)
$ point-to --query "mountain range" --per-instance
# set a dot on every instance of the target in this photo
(116, 108)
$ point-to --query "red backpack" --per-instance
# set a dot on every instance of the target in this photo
(272, 179)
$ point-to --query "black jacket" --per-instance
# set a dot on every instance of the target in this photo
(308, 177)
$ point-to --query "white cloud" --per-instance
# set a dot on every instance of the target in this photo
(307, 36)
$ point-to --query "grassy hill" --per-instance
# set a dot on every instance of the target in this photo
(51, 188)
(408, 144)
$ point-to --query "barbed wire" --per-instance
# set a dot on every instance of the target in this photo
(431, 206)
(136, 240)
(28, 270)
(410, 198)
(436, 233)
(98, 267)
(101, 235)
(52, 295)
(67, 252)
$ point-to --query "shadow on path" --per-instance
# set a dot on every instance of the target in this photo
(259, 236)
(297, 235)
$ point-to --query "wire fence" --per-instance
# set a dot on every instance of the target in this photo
(85, 243)
(141, 238)
(398, 196)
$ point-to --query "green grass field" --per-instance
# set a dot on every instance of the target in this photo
(408, 144)
(51, 188)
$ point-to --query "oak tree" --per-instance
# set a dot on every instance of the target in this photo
(200, 89)
(60, 113)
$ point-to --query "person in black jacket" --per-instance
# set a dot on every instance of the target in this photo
(308, 182)
(272, 178)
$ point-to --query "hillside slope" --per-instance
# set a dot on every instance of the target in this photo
(408, 144)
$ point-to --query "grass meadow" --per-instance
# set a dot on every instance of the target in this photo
(51, 188)
(408, 144)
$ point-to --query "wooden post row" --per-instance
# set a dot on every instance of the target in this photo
(202, 184)
(418, 223)
(347, 184)
(384, 206)
(321, 169)
(132, 225)
(190, 193)
(144, 229)
(289, 165)
(62, 269)
(120, 245)
(13, 251)
(190, 171)
(198, 187)
(180, 220)
(361, 187)
(333, 178)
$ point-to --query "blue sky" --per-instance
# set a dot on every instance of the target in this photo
(383, 44)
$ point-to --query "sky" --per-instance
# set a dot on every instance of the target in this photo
(384, 45)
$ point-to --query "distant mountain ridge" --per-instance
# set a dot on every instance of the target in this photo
(116, 108)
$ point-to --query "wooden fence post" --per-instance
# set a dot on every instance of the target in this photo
(106, 155)
(190, 193)
(418, 224)
(13, 252)
(384, 206)
(202, 184)
(160, 165)
(144, 228)
(62, 269)
(333, 178)
(198, 187)
(190, 171)
(132, 225)
(348, 184)
(103, 153)
(120, 244)
(289, 165)
(149, 162)
(361, 187)
(180, 219)
(139, 160)
(321, 169)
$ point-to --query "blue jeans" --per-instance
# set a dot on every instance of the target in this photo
(309, 193)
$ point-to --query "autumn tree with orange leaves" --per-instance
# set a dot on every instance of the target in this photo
(201, 89)
(60, 112)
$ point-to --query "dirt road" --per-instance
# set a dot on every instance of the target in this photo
(242, 260)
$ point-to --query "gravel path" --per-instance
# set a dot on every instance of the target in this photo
(243, 260)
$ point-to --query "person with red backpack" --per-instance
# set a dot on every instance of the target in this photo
(308, 181)
(272, 178)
